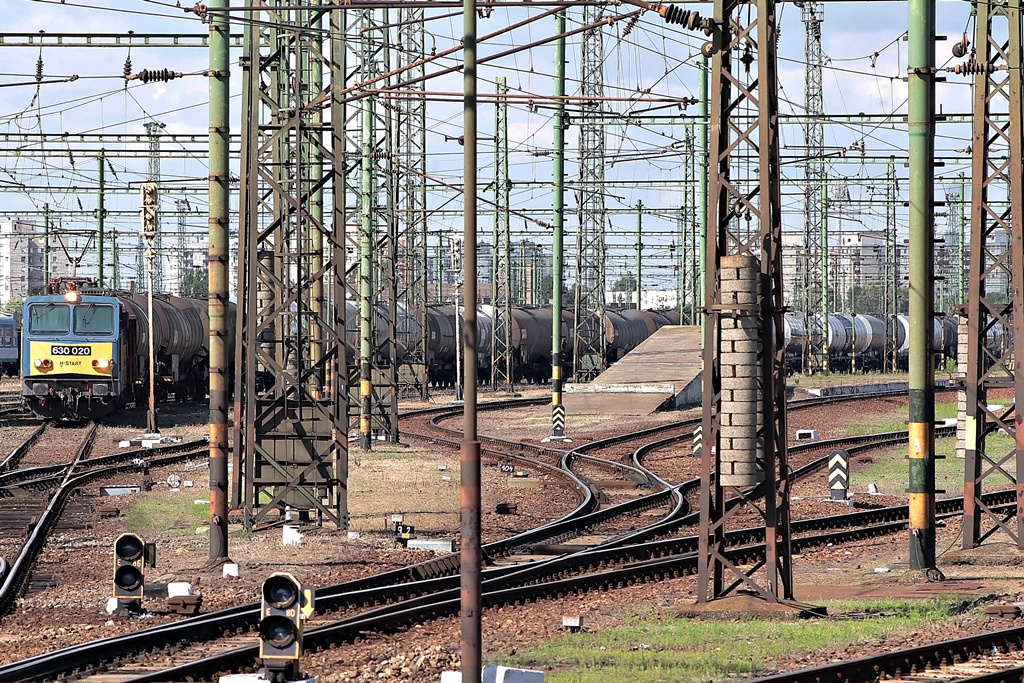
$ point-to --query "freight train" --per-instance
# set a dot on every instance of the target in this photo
(85, 353)
(858, 342)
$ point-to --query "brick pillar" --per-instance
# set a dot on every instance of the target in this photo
(741, 418)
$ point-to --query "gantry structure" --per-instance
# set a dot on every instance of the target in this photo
(995, 323)
(291, 416)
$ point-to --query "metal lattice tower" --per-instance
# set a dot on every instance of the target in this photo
(745, 223)
(181, 264)
(588, 333)
(813, 300)
(292, 434)
(412, 196)
(153, 128)
(689, 239)
(501, 294)
(996, 257)
(890, 305)
(370, 192)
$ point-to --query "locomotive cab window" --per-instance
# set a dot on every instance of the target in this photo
(49, 319)
(94, 319)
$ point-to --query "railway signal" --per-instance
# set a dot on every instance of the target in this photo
(131, 557)
(285, 603)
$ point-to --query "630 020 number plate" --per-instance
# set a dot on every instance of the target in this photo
(56, 350)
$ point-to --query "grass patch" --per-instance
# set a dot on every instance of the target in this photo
(890, 469)
(663, 648)
(166, 513)
(895, 422)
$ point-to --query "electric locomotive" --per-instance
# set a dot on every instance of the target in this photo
(85, 353)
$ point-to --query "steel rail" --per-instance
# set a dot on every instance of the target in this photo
(379, 588)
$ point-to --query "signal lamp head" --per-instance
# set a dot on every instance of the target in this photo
(280, 592)
(278, 631)
(129, 548)
(128, 577)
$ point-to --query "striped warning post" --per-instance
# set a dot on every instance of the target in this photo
(839, 474)
(698, 441)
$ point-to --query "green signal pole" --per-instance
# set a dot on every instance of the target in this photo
(921, 425)
(218, 276)
(101, 214)
(558, 228)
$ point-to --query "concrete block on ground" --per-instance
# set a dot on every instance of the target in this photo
(178, 588)
(290, 535)
(451, 677)
(505, 674)
(230, 570)
(802, 434)
(444, 545)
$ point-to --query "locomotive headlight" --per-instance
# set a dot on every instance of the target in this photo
(72, 297)
(43, 363)
(102, 364)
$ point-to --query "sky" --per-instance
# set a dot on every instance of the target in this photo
(865, 61)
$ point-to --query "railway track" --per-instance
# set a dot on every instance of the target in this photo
(43, 497)
(993, 657)
(388, 606)
(426, 591)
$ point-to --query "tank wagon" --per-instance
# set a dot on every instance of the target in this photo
(85, 354)
(858, 342)
(8, 345)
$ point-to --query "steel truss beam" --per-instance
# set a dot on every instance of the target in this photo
(997, 272)
(744, 218)
(291, 429)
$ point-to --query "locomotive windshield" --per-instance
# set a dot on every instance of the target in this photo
(94, 319)
(49, 319)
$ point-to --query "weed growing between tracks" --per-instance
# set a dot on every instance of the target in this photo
(173, 513)
(889, 469)
(649, 648)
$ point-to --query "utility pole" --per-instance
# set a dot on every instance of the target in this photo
(470, 554)
(153, 129)
(219, 216)
(558, 231)
(921, 425)
(101, 215)
(639, 251)
(46, 244)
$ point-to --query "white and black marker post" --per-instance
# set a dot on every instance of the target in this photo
(839, 474)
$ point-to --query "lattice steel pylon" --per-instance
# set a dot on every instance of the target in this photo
(291, 422)
(745, 220)
(813, 299)
(588, 304)
(502, 373)
(368, 125)
(996, 256)
(891, 285)
(411, 176)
